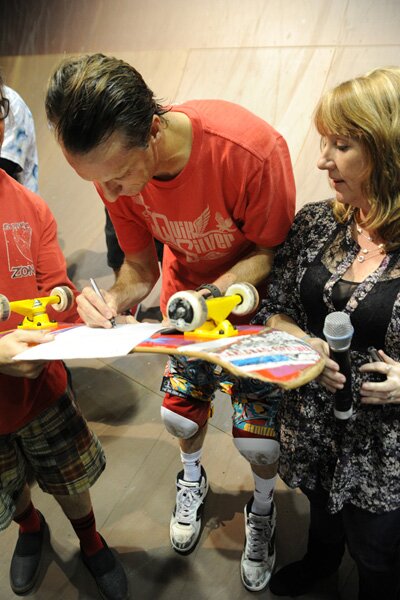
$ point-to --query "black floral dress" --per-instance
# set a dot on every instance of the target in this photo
(356, 461)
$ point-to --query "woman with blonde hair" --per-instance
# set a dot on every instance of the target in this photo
(344, 255)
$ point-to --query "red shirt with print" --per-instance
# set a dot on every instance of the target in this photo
(236, 191)
(31, 265)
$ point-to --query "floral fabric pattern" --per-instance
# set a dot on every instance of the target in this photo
(357, 461)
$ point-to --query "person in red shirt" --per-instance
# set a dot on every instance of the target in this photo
(41, 425)
(214, 183)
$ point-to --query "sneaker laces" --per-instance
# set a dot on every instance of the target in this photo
(187, 503)
(258, 539)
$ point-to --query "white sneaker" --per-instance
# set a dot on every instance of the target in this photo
(258, 558)
(185, 525)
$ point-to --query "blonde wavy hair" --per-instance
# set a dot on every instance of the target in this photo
(367, 109)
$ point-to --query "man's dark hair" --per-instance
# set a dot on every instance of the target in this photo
(1, 86)
(92, 96)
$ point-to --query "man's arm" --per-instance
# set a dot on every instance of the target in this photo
(136, 278)
(253, 268)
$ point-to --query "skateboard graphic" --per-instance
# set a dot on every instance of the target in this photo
(247, 351)
(255, 352)
(200, 330)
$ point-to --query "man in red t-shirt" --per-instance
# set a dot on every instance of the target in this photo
(214, 184)
(40, 423)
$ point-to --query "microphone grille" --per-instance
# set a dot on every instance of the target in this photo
(338, 324)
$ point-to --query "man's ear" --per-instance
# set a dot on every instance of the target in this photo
(155, 129)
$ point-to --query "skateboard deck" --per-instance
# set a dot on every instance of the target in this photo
(248, 351)
(256, 352)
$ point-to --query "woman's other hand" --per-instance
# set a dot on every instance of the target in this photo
(383, 392)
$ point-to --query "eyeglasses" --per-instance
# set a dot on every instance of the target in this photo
(4, 108)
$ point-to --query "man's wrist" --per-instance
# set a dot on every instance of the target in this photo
(215, 292)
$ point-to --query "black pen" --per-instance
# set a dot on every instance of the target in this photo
(100, 295)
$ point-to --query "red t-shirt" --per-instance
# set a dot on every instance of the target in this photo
(236, 191)
(31, 265)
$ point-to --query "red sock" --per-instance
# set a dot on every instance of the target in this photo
(85, 529)
(29, 520)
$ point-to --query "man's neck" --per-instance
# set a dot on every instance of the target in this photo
(176, 145)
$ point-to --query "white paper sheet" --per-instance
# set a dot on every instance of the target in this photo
(89, 342)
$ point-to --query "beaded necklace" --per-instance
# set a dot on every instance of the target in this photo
(365, 253)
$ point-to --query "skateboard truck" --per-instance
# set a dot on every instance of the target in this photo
(34, 310)
(200, 317)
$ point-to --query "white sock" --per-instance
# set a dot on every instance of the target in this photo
(263, 494)
(191, 465)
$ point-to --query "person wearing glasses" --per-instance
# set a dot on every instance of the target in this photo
(42, 429)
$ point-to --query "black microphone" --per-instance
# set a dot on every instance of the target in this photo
(338, 332)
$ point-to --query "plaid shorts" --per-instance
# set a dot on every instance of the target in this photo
(65, 456)
(189, 382)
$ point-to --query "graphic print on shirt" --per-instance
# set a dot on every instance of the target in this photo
(18, 238)
(198, 240)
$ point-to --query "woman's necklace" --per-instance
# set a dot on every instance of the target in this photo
(361, 232)
(366, 253)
